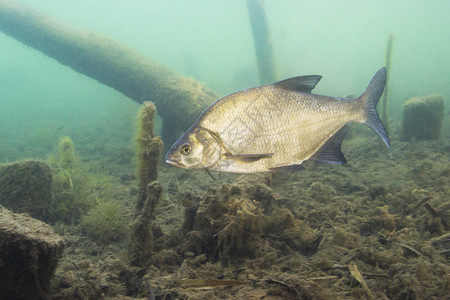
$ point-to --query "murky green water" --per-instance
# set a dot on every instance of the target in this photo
(211, 41)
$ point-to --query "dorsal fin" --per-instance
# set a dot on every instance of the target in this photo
(303, 84)
(330, 152)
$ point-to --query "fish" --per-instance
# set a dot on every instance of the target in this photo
(276, 127)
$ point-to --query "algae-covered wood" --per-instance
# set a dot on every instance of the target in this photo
(179, 99)
(29, 252)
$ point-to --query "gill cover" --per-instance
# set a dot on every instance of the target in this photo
(197, 148)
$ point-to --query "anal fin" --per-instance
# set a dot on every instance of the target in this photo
(288, 168)
(330, 152)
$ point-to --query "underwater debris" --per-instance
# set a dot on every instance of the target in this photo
(25, 186)
(423, 118)
(204, 283)
(289, 286)
(298, 253)
(29, 252)
(380, 220)
(149, 151)
(230, 223)
(442, 244)
(144, 230)
(286, 235)
(354, 271)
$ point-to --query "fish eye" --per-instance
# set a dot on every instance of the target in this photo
(186, 149)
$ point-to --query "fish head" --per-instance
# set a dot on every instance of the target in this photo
(197, 148)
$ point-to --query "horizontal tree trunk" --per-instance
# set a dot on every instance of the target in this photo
(179, 100)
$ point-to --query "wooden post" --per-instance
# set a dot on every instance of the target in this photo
(262, 41)
(144, 231)
(149, 151)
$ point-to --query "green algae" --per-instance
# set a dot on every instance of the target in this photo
(106, 222)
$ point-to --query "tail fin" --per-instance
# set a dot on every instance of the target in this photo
(370, 99)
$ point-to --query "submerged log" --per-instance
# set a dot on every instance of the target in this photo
(179, 100)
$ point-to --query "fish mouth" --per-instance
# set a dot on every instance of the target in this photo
(174, 163)
(173, 159)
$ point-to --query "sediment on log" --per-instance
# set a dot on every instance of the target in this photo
(179, 100)
(423, 118)
(29, 252)
(149, 152)
(25, 186)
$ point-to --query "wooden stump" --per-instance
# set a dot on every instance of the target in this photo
(29, 252)
(144, 231)
(26, 187)
(423, 117)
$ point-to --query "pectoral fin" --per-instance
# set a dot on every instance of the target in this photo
(248, 158)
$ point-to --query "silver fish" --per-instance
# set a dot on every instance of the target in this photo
(276, 126)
